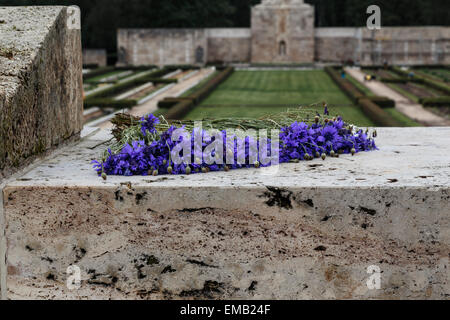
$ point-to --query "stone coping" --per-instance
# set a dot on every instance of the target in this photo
(408, 157)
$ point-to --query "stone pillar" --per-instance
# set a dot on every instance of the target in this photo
(283, 32)
(41, 103)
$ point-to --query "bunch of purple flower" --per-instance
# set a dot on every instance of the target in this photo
(299, 141)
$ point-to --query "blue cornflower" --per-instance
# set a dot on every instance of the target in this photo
(148, 124)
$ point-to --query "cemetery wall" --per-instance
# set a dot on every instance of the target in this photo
(95, 57)
(229, 45)
(161, 46)
(396, 45)
(282, 31)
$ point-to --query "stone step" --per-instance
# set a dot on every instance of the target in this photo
(309, 232)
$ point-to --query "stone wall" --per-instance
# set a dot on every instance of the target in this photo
(229, 45)
(337, 44)
(183, 46)
(396, 45)
(40, 83)
(95, 57)
(283, 32)
(162, 46)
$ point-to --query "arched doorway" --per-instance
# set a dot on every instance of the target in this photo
(282, 48)
(199, 53)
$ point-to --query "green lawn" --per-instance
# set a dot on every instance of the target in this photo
(257, 93)
(278, 87)
(401, 118)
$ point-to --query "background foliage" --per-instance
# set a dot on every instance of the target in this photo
(101, 18)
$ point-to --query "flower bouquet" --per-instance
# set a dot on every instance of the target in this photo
(155, 146)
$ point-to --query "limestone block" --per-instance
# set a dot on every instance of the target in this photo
(309, 232)
(40, 83)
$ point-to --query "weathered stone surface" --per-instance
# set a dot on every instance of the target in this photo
(40, 83)
(95, 57)
(229, 45)
(311, 231)
(161, 46)
(396, 45)
(283, 32)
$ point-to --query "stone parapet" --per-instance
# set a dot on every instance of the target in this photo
(309, 232)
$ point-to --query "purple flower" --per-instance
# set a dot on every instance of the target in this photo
(148, 124)
(299, 141)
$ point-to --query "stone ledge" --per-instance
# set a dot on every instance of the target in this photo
(38, 109)
(309, 232)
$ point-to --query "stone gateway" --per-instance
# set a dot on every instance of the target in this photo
(283, 32)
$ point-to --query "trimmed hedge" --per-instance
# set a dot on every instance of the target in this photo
(97, 72)
(157, 80)
(433, 66)
(183, 67)
(170, 102)
(382, 102)
(436, 102)
(349, 89)
(136, 68)
(124, 86)
(402, 80)
(182, 108)
(90, 66)
(369, 105)
(377, 115)
(430, 83)
(109, 103)
(209, 87)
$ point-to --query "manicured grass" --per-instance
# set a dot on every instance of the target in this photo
(253, 94)
(278, 87)
(401, 118)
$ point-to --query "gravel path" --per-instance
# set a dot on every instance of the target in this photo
(411, 109)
